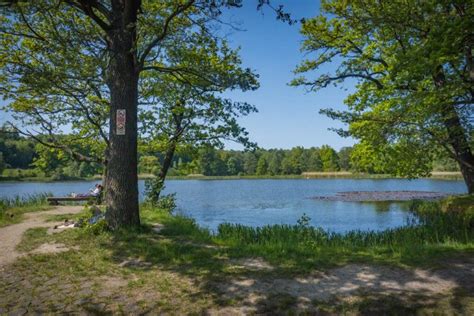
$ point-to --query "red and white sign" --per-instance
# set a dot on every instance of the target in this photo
(120, 122)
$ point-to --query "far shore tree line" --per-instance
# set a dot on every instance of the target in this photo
(130, 79)
(23, 157)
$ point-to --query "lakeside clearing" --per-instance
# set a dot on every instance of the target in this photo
(171, 265)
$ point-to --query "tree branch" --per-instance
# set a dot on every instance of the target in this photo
(180, 9)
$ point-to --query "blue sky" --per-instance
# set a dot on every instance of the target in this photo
(288, 116)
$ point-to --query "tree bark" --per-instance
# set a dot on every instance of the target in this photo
(168, 159)
(457, 137)
(122, 178)
(104, 179)
(460, 145)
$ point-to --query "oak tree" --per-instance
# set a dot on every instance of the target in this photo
(413, 66)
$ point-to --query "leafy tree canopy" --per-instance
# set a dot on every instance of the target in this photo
(414, 71)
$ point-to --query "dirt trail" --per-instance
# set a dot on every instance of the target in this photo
(10, 236)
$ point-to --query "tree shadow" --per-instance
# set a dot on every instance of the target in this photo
(384, 289)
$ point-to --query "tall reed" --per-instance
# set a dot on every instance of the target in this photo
(23, 200)
(430, 227)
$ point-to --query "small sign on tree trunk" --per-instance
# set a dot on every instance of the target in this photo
(120, 122)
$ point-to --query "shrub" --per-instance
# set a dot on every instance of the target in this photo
(167, 203)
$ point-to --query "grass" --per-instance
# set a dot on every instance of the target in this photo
(184, 262)
(438, 233)
(441, 231)
(33, 238)
(13, 209)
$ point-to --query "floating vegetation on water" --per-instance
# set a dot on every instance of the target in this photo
(383, 196)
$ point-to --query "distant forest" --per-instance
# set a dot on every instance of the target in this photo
(23, 157)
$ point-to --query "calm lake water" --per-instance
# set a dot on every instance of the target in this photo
(262, 202)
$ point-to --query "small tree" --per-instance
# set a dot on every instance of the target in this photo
(189, 105)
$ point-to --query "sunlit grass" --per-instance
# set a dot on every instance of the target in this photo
(12, 209)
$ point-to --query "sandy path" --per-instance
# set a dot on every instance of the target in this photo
(10, 236)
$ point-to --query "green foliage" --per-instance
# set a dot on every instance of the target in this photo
(329, 158)
(344, 156)
(315, 163)
(92, 221)
(234, 166)
(17, 152)
(304, 221)
(167, 203)
(215, 162)
(262, 166)
(148, 164)
(97, 228)
(210, 162)
(153, 188)
(413, 69)
(21, 173)
(250, 163)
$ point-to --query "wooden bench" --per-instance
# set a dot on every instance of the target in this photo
(55, 200)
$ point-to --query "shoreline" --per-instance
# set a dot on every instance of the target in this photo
(304, 176)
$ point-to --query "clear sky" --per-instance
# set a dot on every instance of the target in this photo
(288, 116)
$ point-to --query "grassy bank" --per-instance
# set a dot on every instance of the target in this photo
(443, 228)
(178, 267)
(13, 209)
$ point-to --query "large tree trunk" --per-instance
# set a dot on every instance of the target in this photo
(460, 145)
(457, 137)
(122, 179)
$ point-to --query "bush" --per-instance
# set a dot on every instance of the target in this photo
(167, 203)
(153, 188)
(20, 173)
(93, 221)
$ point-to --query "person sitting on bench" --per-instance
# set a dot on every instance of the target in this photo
(95, 192)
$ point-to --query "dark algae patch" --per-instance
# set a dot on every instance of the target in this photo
(376, 196)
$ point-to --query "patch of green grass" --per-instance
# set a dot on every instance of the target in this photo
(12, 209)
(33, 238)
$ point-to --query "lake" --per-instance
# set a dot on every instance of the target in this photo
(267, 201)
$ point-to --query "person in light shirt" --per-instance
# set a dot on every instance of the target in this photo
(94, 192)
